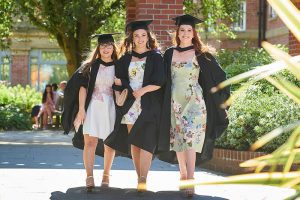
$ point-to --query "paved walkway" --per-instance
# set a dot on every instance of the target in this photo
(43, 165)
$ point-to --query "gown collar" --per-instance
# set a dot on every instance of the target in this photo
(142, 55)
(106, 64)
(178, 48)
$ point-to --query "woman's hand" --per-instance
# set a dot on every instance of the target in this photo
(80, 117)
(139, 93)
(118, 81)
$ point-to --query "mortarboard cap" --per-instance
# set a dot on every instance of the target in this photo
(187, 20)
(135, 25)
(105, 38)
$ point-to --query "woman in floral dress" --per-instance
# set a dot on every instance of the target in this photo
(191, 114)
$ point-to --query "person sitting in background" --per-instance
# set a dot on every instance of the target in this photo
(48, 106)
(60, 96)
(62, 86)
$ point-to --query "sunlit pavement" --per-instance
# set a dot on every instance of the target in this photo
(43, 165)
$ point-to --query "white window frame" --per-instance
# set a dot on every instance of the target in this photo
(237, 26)
(2, 55)
(271, 13)
(37, 53)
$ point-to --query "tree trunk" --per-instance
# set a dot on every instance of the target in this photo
(73, 50)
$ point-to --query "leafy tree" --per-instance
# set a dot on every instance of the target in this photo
(70, 22)
(6, 20)
(218, 15)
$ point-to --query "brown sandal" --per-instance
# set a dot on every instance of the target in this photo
(142, 185)
(90, 184)
(190, 191)
(105, 181)
(182, 189)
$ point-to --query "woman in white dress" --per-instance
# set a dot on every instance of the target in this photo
(98, 117)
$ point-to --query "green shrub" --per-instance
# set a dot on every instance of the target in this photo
(261, 108)
(13, 118)
(15, 106)
(243, 59)
(256, 112)
(22, 97)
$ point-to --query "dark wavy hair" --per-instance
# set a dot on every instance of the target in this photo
(196, 41)
(127, 44)
(93, 55)
(44, 99)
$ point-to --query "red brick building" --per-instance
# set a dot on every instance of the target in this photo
(27, 61)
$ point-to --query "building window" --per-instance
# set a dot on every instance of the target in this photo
(240, 25)
(5, 67)
(47, 67)
(272, 13)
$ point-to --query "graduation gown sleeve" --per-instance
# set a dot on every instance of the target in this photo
(211, 74)
(71, 100)
(158, 75)
(165, 123)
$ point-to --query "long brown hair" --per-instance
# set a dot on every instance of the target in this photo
(127, 45)
(93, 55)
(44, 98)
(196, 41)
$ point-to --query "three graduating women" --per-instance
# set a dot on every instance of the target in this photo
(169, 106)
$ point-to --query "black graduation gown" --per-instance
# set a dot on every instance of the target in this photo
(144, 133)
(71, 100)
(210, 75)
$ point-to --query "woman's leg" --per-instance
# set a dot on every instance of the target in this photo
(45, 118)
(109, 155)
(182, 165)
(190, 158)
(145, 163)
(90, 144)
(135, 153)
(190, 163)
(145, 159)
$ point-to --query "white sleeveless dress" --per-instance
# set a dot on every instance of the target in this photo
(101, 113)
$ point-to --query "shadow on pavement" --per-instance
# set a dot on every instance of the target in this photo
(79, 193)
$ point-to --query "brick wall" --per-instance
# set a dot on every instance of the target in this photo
(19, 69)
(252, 7)
(235, 44)
(227, 161)
(161, 11)
(294, 44)
(284, 39)
(130, 10)
(251, 33)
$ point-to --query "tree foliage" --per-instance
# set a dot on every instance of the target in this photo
(70, 22)
(218, 15)
(6, 21)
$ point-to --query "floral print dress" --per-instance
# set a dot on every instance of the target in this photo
(136, 76)
(188, 111)
(101, 114)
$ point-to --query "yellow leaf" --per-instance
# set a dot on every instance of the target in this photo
(278, 54)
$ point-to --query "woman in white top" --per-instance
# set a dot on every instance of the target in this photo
(96, 107)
